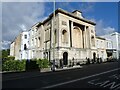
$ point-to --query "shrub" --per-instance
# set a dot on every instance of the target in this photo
(9, 58)
(14, 65)
(40, 63)
(0, 66)
(43, 63)
(32, 65)
(22, 65)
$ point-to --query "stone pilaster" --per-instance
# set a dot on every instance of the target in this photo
(85, 37)
(71, 34)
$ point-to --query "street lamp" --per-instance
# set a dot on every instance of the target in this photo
(53, 66)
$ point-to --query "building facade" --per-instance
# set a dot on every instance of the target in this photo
(64, 37)
(101, 48)
(15, 47)
(12, 49)
(109, 48)
(24, 53)
(19, 47)
(67, 37)
(115, 39)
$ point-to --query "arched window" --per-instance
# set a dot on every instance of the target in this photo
(77, 38)
(64, 36)
(25, 47)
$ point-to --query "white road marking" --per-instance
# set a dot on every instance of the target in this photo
(67, 82)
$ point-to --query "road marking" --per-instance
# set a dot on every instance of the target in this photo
(67, 82)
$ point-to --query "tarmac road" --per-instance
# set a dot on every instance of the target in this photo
(105, 75)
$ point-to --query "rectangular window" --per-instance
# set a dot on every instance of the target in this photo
(107, 45)
(64, 23)
(32, 43)
(47, 35)
(25, 36)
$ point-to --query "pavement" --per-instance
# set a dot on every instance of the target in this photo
(67, 68)
(47, 69)
(105, 75)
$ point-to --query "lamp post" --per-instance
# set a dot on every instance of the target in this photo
(53, 66)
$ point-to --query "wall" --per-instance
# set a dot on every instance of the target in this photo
(12, 49)
(101, 48)
(17, 47)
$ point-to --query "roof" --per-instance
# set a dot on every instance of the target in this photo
(59, 10)
(100, 38)
(35, 24)
(16, 37)
(76, 11)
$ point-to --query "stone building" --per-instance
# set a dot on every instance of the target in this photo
(19, 46)
(33, 43)
(15, 47)
(67, 36)
(64, 37)
(12, 48)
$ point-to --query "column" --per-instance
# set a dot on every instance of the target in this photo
(83, 40)
(71, 36)
(85, 37)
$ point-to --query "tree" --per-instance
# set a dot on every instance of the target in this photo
(5, 53)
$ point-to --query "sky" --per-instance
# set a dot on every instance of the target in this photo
(20, 16)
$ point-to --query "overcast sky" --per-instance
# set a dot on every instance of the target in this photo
(21, 16)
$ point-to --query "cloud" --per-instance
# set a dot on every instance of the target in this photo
(82, 6)
(23, 27)
(87, 7)
(101, 29)
(18, 16)
(5, 44)
(109, 30)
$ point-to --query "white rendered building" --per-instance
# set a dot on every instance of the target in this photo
(115, 39)
(19, 47)
(24, 54)
(101, 48)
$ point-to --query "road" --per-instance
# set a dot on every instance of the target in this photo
(105, 75)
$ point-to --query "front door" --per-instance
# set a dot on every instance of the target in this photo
(94, 56)
(65, 58)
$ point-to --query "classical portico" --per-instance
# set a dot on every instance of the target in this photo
(67, 37)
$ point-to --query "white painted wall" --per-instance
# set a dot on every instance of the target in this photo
(114, 37)
(24, 53)
(101, 48)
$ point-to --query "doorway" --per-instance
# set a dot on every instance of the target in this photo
(94, 56)
(65, 58)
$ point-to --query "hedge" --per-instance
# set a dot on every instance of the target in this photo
(14, 65)
(0, 66)
(8, 58)
(23, 65)
(43, 63)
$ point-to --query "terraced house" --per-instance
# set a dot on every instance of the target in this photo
(65, 36)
